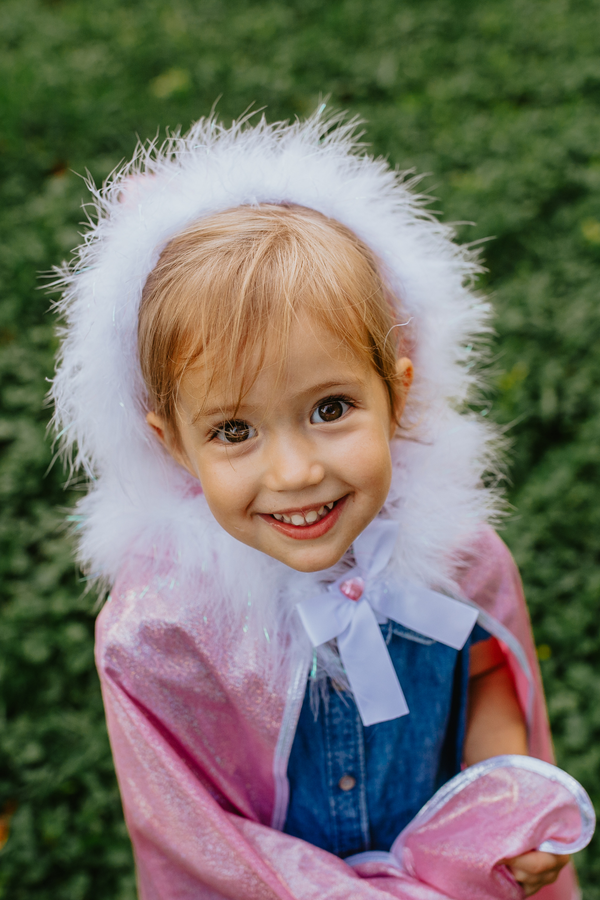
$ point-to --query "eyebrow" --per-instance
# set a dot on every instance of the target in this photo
(227, 411)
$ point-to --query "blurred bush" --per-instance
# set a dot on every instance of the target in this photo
(499, 100)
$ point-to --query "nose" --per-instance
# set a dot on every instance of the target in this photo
(292, 464)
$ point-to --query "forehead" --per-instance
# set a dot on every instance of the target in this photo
(313, 358)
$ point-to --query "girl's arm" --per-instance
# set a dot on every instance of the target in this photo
(495, 723)
(495, 726)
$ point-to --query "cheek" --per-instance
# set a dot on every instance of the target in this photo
(367, 462)
(226, 489)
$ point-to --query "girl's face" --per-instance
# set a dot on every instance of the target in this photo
(300, 469)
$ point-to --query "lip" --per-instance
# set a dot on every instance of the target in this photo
(307, 532)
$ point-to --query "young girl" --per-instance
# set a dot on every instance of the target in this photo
(269, 343)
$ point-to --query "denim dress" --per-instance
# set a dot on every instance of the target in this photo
(354, 788)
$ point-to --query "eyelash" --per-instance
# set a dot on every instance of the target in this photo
(219, 429)
(335, 398)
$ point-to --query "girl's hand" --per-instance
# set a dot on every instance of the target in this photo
(536, 869)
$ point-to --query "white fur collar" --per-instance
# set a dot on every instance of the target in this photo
(138, 498)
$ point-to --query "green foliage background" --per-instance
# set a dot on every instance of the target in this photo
(499, 100)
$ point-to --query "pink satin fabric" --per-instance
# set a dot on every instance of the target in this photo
(501, 815)
(194, 729)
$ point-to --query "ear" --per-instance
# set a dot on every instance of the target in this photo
(160, 429)
(157, 424)
(405, 373)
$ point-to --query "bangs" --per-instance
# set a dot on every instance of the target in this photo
(226, 292)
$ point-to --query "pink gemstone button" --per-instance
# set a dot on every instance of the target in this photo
(353, 588)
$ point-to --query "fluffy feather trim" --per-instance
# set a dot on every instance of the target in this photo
(139, 500)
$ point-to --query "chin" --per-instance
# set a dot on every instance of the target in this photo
(314, 564)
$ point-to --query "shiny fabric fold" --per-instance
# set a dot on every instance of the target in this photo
(494, 811)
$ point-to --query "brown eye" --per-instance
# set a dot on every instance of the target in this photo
(234, 432)
(329, 411)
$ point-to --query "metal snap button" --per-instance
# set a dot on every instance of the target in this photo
(346, 782)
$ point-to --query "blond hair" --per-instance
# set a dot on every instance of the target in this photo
(230, 286)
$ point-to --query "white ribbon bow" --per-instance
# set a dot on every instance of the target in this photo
(354, 606)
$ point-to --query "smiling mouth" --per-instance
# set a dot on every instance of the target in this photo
(309, 523)
(307, 517)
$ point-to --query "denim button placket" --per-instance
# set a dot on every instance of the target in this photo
(346, 775)
(401, 756)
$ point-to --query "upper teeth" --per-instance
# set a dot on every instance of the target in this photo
(306, 518)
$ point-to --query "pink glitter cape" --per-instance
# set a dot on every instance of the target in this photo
(201, 741)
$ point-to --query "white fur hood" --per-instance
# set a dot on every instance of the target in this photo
(138, 498)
